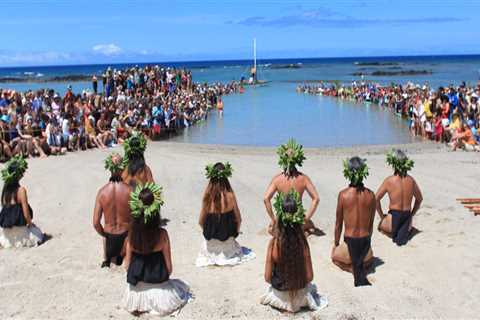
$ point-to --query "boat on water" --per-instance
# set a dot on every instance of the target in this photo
(253, 79)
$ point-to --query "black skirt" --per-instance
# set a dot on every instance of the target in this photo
(148, 268)
(12, 216)
(220, 226)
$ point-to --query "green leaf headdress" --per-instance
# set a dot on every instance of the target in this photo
(400, 162)
(114, 166)
(291, 155)
(138, 207)
(355, 170)
(286, 218)
(213, 173)
(14, 169)
(136, 144)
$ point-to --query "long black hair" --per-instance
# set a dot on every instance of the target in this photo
(9, 193)
(143, 236)
(291, 250)
(136, 163)
(216, 187)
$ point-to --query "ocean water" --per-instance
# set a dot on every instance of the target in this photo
(269, 115)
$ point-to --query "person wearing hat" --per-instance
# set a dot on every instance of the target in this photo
(16, 217)
(402, 189)
(356, 210)
(112, 203)
(291, 156)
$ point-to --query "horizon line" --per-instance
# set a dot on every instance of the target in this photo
(230, 60)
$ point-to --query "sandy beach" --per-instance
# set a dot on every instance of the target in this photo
(436, 275)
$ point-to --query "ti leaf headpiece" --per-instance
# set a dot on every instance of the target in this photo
(286, 218)
(136, 144)
(355, 170)
(138, 207)
(400, 162)
(114, 163)
(291, 155)
(14, 169)
(213, 173)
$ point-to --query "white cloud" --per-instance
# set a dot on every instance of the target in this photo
(32, 58)
(107, 49)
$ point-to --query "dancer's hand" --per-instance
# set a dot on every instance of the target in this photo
(271, 226)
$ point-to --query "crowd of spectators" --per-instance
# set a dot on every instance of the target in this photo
(448, 115)
(157, 101)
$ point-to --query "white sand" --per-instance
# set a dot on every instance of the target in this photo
(435, 276)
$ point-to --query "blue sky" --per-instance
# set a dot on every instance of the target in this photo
(43, 32)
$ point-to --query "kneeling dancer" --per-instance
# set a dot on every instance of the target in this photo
(16, 218)
(288, 267)
(220, 221)
(291, 156)
(148, 259)
(112, 202)
(355, 208)
(401, 189)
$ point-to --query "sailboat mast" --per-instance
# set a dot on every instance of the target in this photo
(255, 53)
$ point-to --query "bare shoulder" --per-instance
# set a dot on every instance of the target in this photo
(412, 179)
(370, 193)
(101, 192)
(342, 193)
(277, 179)
(22, 192)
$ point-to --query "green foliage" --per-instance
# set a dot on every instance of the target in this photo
(116, 166)
(400, 164)
(213, 174)
(136, 144)
(286, 218)
(14, 169)
(290, 155)
(137, 207)
(355, 176)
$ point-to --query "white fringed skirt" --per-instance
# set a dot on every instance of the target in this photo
(157, 298)
(223, 253)
(305, 298)
(17, 237)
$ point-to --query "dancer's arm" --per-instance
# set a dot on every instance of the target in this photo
(22, 196)
(312, 192)
(379, 196)
(418, 197)
(167, 253)
(97, 217)
(339, 220)
(272, 188)
(128, 254)
(238, 217)
(268, 262)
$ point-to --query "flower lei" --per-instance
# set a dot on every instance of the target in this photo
(289, 218)
(214, 174)
(137, 207)
(14, 169)
(355, 176)
(112, 166)
(291, 155)
(401, 165)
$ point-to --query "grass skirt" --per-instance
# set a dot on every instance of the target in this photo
(17, 237)
(305, 298)
(157, 298)
(223, 253)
